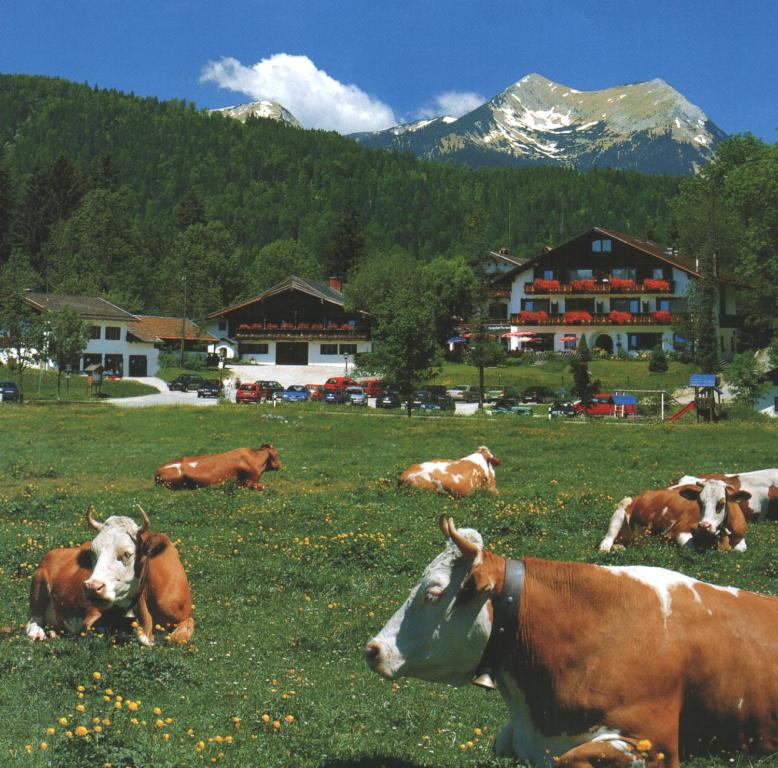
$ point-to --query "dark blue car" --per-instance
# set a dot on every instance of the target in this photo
(295, 393)
(9, 393)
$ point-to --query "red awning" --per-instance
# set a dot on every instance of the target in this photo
(569, 338)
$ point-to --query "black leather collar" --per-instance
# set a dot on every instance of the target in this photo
(505, 623)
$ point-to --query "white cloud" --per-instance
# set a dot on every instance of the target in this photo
(454, 103)
(310, 94)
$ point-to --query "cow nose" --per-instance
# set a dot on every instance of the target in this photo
(94, 585)
(706, 526)
(372, 653)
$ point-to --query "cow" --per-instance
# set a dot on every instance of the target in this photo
(455, 478)
(599, 666)
(245, 465)
(762, 485)
(125, 571)
(681, 513)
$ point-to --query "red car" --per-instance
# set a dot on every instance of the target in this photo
(249, 393)
(606, 404)
(372, 387)
(316, 391)
(339, 382)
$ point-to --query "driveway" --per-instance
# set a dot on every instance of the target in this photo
(287, 374)
(163, 397)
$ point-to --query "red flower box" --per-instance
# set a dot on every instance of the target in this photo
(582, 285)
(532, 317)
(578, 316)
(622, 283)
(545, 285)
(653, 284)
(621, 318)
(663, 317)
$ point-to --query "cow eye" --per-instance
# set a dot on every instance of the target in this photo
(125, 556)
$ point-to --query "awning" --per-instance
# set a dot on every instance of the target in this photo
(457, 340)
(519, 335)
(569, 337)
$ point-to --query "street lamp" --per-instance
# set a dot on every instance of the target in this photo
(183, 322)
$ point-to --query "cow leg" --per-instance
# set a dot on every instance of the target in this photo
(618, 521)
(92, 615)
(183, 632)
(610, 754)
(146, 636)
(503, 744)
(684, 539)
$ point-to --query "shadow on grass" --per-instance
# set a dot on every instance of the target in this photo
(375, 761)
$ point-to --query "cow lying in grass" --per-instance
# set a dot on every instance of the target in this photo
(245, 465)
(456, 478)
(126, 570)
(604, 667)
(704, 513)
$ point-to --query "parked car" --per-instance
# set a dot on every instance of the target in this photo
(248, 393)
(295, 393)
(9, 392)
(561, 408)
(271, 390)
(466, 392)
(185, 383)
(210, 388)
(432, 398)
(356, 395)
(606, 404)
(373, 387)
(509, 405)
(389, 399)
(538, 394)
(336, 396)
(339, 382)
(316, 391)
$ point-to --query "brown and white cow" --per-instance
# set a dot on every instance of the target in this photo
(246, 465)
(681, 513)
(599, 666)
(126, 570)
(456, 478)
(762, 485)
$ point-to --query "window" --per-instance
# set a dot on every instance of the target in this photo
(642, 342)
(113, 332)
(625, 305)
(602, 246)
(348, 349)
(582, 305)
(95, 332)
(328, 349)
(626, 273)
(253, 349)
(584, 273)
(658, 273)
(548, 274)
(222, 325)
(535, 305)
(663, 305)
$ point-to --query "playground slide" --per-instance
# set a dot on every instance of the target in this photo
(678, 414)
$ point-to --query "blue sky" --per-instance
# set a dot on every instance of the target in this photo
(351, 65)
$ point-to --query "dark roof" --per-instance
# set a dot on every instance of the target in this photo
(506, 258)
(657, 250)
(152, 328)
(291, 283)
(88, 307)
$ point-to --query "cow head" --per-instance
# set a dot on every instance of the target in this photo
(272, 457)
(718, 503)
(119, 556)
(489, 456)
(440, 632)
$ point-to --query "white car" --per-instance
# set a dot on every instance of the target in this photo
(466, 392)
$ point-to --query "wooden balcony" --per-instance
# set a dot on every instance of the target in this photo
(600, 287)
(256, 331)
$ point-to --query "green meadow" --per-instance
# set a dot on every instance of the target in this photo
(290, 583)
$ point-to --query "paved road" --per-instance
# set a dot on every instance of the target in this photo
(163, 397)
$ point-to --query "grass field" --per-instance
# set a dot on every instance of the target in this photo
(289, 584)
(41, 386)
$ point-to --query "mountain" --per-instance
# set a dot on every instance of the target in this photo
(647, 127)
(269, 109)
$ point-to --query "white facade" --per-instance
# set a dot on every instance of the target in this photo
(133, 358)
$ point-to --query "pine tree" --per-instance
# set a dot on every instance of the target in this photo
(583, 352)
(658, 361)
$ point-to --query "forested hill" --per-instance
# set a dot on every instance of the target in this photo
(97, 188)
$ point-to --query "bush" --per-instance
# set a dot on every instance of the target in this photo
(583, 353)
(658, 361)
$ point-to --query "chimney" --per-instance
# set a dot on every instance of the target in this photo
(336, 283)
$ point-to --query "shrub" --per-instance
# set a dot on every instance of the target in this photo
(545, 285)
(583, 353)
(658, 361)
(620, 318)
(578, 316)
(745, 378)
(652, 284)
(582, 285)
(525, 316)
(622, 283)
(663, 317)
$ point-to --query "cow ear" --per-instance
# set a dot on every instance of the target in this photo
(737, 495)
(152, 543)
(736, 521)
(691, 492)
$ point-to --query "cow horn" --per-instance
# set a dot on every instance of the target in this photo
(468, 548)
(443, 523)
(92, 522)
(145, 518)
